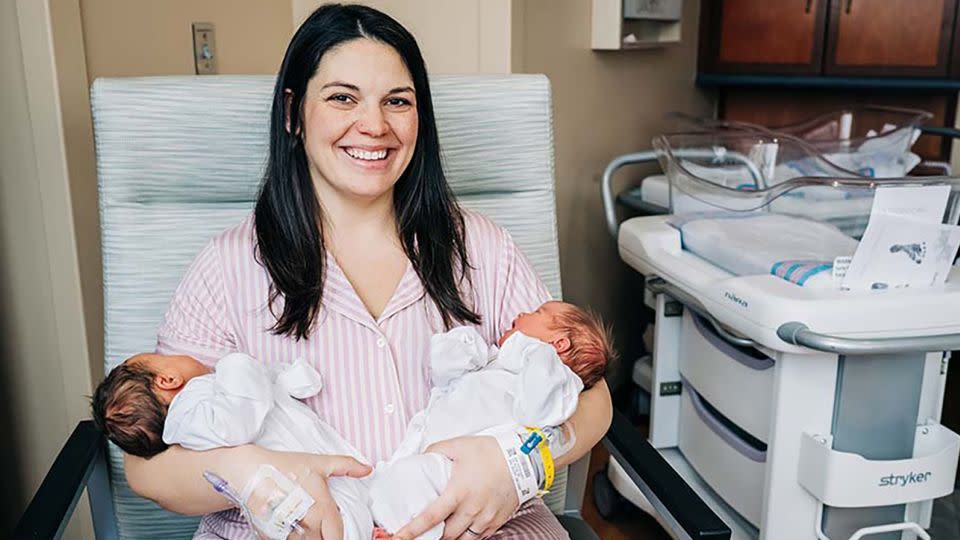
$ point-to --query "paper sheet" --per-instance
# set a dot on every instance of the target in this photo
(905, 244)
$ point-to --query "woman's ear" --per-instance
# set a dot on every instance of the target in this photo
(287, 105)
(561, 344)
(168, 381)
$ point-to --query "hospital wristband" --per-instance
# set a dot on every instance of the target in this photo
(543, 458)
(519, 465)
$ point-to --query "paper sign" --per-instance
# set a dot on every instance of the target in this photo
(905, 243)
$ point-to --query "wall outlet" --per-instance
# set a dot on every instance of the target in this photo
(204, 49)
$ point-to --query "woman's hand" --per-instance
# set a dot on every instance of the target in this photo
(480, 495)
(323, 521)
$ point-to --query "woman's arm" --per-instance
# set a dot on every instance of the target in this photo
(174, 478)
(589, 423)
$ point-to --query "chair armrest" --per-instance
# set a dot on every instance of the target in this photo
(80, 464)
(666, 490)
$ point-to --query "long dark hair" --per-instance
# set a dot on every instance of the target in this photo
(288, 216)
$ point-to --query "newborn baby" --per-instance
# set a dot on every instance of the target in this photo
(152, 401)
(534, 378)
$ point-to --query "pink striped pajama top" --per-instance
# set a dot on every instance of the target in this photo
(375, 371)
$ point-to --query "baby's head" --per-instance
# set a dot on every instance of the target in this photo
(130, 405)
(580, 337)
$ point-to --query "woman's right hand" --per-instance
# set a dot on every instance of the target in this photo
(323, 521)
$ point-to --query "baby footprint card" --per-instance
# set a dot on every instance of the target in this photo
(905, 243)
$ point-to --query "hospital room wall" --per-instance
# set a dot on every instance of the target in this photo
(44, 362)
(606, 103)
(51, 329)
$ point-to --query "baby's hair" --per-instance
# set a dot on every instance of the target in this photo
(591, 343)
(128, 412)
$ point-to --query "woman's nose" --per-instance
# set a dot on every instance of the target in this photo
(372, 122)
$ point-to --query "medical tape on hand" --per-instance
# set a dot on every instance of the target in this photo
(282, 503)
(518, 463)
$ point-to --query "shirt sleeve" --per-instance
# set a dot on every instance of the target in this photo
(196, 322)
(519, 288)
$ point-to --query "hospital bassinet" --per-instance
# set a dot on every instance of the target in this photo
(795, 412)
(870, 141)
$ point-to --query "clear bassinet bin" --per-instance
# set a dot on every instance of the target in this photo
(726, 170)
(740, 203)
(871, 140)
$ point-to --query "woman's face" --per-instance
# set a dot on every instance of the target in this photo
(359, 121)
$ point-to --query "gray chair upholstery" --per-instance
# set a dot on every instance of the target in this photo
(181, 158)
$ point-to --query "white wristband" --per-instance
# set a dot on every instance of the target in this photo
(518, 464)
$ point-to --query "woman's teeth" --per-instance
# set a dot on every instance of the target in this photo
(365, 155)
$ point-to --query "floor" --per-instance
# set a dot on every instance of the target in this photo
(632, 524)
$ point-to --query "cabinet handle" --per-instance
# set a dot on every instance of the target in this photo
(849, 6)
(807, 8)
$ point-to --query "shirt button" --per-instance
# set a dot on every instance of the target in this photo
(389, 408)
(381, 342)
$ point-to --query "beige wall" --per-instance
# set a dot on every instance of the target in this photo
(51, 332)
(45, 369)
(125, 38)
(455, 36)
(605, 104)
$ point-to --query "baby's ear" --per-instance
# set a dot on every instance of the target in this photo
(561, 344)
(168, 381)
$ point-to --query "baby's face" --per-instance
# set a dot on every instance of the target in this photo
(541, 324)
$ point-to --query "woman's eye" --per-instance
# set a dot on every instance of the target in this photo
(340, 98)
(398, 102)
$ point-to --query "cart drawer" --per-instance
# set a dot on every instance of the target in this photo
(737, 381)
(726, 458)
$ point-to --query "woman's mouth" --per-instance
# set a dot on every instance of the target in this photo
(367, 155)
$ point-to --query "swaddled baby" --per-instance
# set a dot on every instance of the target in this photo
(534, 378)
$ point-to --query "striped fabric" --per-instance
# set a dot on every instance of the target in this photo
(180, 160)
(375, 371)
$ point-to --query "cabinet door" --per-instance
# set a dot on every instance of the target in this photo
(890, 37)
(762, 36)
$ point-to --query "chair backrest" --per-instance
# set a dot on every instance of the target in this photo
(181, 158)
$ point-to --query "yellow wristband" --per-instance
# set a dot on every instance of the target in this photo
(545, 455)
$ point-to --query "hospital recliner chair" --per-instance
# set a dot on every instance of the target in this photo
(180, 158)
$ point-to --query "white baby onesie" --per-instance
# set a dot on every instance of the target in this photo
(245, 402)
(476, 388)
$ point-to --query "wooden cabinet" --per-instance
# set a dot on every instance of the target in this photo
(762, 36)
(890, 37)
(828, 37)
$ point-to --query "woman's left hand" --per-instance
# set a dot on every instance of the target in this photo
(479, 498)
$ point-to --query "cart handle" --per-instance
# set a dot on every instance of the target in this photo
(606, 183)
(797, 333)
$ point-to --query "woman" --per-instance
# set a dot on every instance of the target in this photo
(355, 254)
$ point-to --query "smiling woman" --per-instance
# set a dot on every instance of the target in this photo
(355, 255)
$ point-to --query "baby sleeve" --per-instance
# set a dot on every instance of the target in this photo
(196, 321)
(456, 352)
